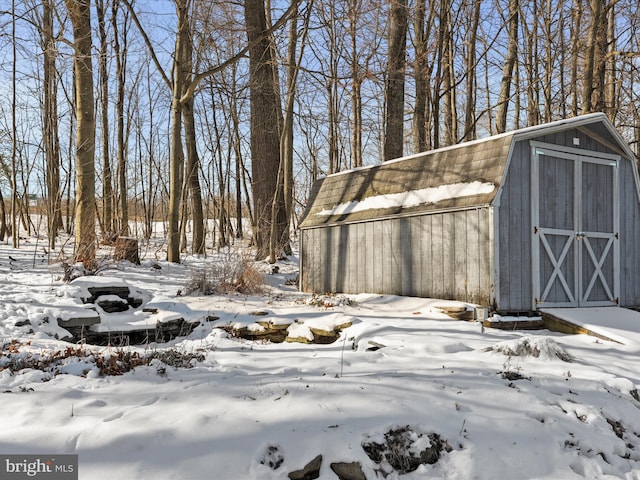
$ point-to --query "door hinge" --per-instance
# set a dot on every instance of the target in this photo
(617, 235)
(535, 230)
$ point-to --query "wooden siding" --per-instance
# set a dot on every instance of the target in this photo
(454, 250)
(514, 234)
(445, 255)
(629, 237)
(515, 290)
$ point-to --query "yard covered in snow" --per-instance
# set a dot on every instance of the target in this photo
(403, 377)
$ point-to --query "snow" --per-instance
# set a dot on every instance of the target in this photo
(245, 404)
(411, 198)
(616, 323)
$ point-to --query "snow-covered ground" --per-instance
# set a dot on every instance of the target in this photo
(506, 404)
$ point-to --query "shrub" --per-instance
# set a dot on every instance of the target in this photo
(236, 273)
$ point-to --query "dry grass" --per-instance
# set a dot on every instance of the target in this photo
(237, 273)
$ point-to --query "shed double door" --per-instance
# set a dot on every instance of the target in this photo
(575, 205)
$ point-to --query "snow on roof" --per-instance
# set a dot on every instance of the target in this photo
(391, 188)
(411, 198)
(452, 178)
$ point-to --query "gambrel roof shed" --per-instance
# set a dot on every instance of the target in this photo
(544, 216)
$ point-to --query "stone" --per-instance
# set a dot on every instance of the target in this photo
(112, 303)
(348, 471)
(321, 337)
(298, 340)
(310, 471)
(78, 317)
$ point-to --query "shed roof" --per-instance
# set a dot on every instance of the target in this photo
(457, 177)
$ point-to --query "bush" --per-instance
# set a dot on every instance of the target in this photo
(116, 362)
(236, 273)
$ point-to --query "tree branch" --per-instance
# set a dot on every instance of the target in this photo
(201, 76)
(147, 41)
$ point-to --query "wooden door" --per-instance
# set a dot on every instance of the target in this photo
(575, 227)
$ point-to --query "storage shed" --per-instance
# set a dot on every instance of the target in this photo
(546, 216)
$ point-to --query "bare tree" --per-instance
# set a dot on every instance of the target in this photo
(193, 160)
(394, 117)
(107, 180)
(286, 136)
(422, 26)
(50, 122)
(594, 58)
(509, 63)
(85, 220)
(471, 64)
(265, 134)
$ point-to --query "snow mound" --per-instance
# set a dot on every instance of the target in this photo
(543, 347)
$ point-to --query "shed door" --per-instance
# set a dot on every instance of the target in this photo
(575, 227)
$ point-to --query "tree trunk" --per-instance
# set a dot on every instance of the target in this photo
(532, 66)
(610, 106)
(85, 216)
(332, 94)
(592, 86)
(286, 139)
(193, 179)
(549, 63)
(394, 91)
(193, 161)
(237, 150)
(507, 71)
(421, 37)
(15, 233)
(576, 21)
(176, 168)
(50, 125)
(356, 89)
(3, 218)
(448, 81)
(107, 187)
(265, 135)
(471, 83)
(121, 142)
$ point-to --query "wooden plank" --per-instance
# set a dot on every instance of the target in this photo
(629, 237)
(345, 271)
(332, 259)
(359, 258)
(371, 258)
(558, 324)
(426, 257)
(474, 255)
(448, 256)
(418, 245)
(462, 252)
(485, 266)
(407, 256)
(382, 263)
(395, 253)
(437, 259)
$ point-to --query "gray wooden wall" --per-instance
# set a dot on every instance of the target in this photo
(513, 262)
(629, 238)
(451, 255)
(441, 255)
